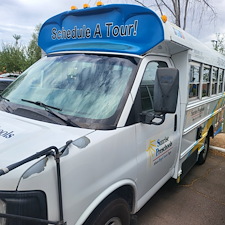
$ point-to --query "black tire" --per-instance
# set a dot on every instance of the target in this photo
(203, 155)
(114, 211)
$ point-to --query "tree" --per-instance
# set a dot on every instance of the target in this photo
(219, 43)
(17, 37)
(181, 9)
(12, 58)
(16, 58)
(33, 50)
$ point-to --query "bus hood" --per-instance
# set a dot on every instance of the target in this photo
(21, 137)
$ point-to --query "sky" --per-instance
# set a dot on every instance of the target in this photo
(21, 16)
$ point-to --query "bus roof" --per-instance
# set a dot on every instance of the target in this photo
(121, 28)
(177, 40)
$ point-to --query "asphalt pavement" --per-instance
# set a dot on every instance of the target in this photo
(199, 199)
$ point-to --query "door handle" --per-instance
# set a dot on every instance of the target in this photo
(175, 122)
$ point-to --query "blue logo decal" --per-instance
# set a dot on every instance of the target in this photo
(6, 134)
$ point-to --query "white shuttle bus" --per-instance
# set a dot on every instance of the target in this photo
(122, 102)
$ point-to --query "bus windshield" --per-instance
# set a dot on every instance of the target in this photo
(88, 88)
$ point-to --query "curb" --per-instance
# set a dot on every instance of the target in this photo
(217, 148)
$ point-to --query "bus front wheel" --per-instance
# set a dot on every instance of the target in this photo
(112, 212)
(203, 155)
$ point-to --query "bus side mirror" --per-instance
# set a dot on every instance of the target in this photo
(165, 95)
(166, 90)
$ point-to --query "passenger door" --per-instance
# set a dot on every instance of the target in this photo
(157, 145)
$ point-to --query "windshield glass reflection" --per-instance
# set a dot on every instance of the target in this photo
(81, 85)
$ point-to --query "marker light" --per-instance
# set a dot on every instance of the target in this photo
(73, 7)
(164, 18)
(86, 6)
(99, 3)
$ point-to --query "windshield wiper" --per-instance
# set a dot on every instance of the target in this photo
(6, 106)
(4, 98)
(48, 109)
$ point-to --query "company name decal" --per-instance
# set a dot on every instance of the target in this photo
(163, 145)
(197, 113)
(6, 134)
(159, 149)
(84, 32)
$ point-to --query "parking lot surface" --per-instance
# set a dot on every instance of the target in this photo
(198, 200)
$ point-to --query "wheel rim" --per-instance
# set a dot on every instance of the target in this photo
(114, 221)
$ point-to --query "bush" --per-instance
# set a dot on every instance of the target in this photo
(15, 58)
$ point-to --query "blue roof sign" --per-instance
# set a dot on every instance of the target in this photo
(111, 28)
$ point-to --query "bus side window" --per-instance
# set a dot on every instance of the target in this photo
(214, 80)
(223, 89)
(147, 84)
(194, 81)
(206, 81)
(220, 86)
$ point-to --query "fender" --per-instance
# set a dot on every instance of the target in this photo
(102, 196)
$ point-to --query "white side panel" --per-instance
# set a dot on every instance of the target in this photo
(88, 172)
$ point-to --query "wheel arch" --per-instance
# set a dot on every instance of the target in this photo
(211, 131)
(204, 151)
(125, 189)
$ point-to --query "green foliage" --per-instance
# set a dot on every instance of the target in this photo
(219, 43)
(12, 59)
(16, 58)
(33, 50)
